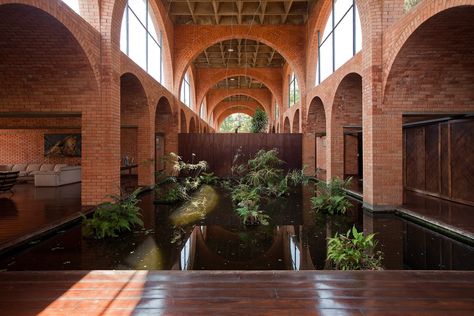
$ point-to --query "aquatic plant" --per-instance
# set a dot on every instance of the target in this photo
(191, 184)
(113, 218)
(259, 121)
(354, 251)
(331, 197)
(262, 177)
(208, 178)
(297, 177)
(170, 194)
(250, 213)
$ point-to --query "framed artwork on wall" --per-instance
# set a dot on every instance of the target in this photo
(62, 145)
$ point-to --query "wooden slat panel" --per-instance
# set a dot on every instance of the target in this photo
(462, 160)
(219, 149)
(432, 158)
(444, 159)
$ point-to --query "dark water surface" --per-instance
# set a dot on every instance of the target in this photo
(295, 240)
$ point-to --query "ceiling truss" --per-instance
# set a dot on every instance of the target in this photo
(231, 12)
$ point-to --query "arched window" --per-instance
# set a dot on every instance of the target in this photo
(277, 111)
(139, 38)
(211, 119)
(293, 91)
(73, 4)
(185, 95)
(341, 40)
(202, 110)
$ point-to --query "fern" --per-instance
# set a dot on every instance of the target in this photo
(113, 218)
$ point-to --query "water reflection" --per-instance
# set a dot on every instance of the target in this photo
(295, 240)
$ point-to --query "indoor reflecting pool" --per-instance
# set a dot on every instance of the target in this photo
(296, 239)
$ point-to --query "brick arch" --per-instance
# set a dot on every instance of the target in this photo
(136, 126)
(45, 54)
(316, 121)
(262, 96)
(223, 106)
(434, 69)
(296, 122)
(166, 125)
(346, 111)
(229, 112)
(193, 128)
(286, 125)
(270, 77)
(320, 13)
(183, 124)
(418, 16)
(68, 19)
(288, 41)
(112, 14)
(89, 10)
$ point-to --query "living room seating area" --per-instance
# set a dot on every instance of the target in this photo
(45, 174)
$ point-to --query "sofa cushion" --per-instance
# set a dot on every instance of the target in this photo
(33, 167)
(23, 173)
(47, 167)
(19, 167)
(58, 167)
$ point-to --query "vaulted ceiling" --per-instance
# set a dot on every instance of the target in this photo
(239, 82)
(230, 12)
(239, 53)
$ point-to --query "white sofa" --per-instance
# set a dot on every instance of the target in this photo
(65, 175)
(27, 171)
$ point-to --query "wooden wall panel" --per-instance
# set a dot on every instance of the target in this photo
(350, 155)
(219, 149)
(444, 159)
(415, 151)
(432, 158)
(462, 160)
(439, 159)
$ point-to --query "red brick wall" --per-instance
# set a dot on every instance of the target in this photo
(27, 146)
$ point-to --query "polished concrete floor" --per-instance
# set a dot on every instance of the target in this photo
(32, 209)
(237, 293)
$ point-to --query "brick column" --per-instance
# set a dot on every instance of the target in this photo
(309, 153)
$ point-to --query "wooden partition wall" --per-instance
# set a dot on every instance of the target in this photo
(219, 149)
(439, 159)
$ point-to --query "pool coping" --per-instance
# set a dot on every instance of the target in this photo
(438, 226)
(22, 241)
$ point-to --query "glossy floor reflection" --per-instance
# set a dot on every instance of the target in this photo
(446, 213)
(237, 293)
(34, 208)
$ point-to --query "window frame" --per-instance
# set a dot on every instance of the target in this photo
(158, 41)
(333, 24)
(292, 90)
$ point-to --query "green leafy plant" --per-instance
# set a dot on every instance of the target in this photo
(191, 184)
(331, 197)
(251, 215)
(354, 251)
(208, 178)
(113, 218)
(297, 177)
(171, 194)
(262, 177)
(259, 121)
